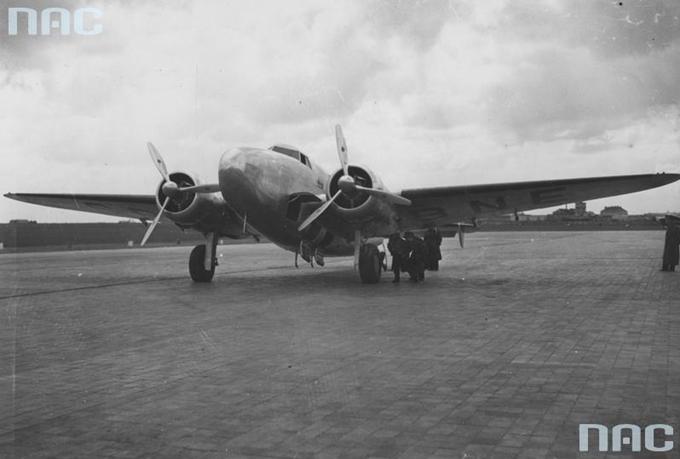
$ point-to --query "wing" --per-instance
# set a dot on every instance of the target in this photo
(448, 206)
(142, 207)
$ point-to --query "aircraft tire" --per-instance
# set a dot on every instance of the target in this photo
(196, 269)
(369, 264)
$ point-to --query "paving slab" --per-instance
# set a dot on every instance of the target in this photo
(518, 339)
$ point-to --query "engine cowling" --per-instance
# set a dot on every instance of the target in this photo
(356, 206)
(184, 208)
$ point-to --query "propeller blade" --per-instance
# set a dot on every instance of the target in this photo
(390, 197)
(158, 161)
(342, 149)
(151, 227)
(461, 236)
(314, 215)
(206, 188)
(357, 248)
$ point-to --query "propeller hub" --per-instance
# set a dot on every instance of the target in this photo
(347, 184)
(170, 189)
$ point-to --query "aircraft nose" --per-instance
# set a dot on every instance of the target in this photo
(233, 173)
(234, 159)
(241, 177)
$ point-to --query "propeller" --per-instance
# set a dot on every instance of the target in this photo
(389, 197)
(153, 224)
(158, 161)
(342, 149)
(461, 236)
(314, 215)
(170, 189)
(205, 188)
(348, 186)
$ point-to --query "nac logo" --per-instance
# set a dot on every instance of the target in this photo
(59, 19)
(629, 435)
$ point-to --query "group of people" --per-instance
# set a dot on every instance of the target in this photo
(414, 255)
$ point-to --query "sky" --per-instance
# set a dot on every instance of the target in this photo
(429, 93)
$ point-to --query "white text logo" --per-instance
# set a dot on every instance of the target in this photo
(60, 20)
(629, 435)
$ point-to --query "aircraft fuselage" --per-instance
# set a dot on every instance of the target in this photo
(258, 183)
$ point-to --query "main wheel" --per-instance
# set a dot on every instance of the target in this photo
(369, 264)
(196, 270)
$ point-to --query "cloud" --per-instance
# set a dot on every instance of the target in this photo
(608, 28)
(570, 93)
(429, 92)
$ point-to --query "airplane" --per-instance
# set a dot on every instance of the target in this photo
(279, 193)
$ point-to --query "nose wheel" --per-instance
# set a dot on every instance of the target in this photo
(197, 265)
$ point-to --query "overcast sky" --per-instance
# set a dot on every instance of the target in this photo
(429, 93)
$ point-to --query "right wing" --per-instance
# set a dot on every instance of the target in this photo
(142, 207)
(213, 216)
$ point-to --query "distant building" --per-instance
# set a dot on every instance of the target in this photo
(578, 213)
(564, 212)
(580, 209)
(614, 212)
(28, 233)
(498, 219)
(21, 221)
(522, 217)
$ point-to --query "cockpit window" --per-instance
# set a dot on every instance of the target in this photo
(292, 152)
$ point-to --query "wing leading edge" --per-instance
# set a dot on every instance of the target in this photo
(142, 207)
(449, 205)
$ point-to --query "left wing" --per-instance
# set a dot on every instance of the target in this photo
(137, 206)
(448, 206)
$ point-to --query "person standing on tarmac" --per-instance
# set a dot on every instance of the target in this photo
(399, 251)
(670, 248)
(417, 258)
(433, 242)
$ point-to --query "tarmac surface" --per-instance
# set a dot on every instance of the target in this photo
(518, 339)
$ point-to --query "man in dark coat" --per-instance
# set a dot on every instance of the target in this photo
(670, 248)
(399, 251)
(417, 258)
(433, 242)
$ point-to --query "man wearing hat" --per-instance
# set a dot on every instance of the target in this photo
(400, 251)
(417, 258)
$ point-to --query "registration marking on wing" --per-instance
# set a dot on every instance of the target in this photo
(478, 205)
(429, 213)
(548, 196)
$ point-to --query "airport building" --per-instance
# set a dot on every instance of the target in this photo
(614, 212)
(56, 236)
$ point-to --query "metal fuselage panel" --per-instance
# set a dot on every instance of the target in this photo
(257, 184)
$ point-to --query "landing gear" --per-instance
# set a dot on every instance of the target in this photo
(370, 265)
(196, 265)
(202, 260)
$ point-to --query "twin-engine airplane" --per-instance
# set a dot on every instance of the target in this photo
(280, 194)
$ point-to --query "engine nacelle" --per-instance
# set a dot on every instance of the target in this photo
(357, 207)
(185, 208)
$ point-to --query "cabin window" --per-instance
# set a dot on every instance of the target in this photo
(293, 153)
